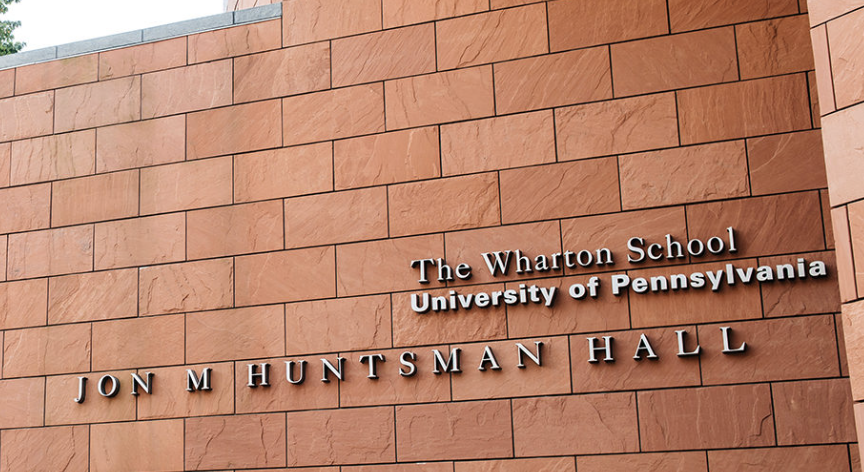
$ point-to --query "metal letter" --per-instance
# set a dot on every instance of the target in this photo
(488, 358)
(681, 351)
(327, 366)
(522, 350)
(82, 382)
(137, 381)
(452, 364)
(289, 372)
(373, 367)
(726, 348)
(644, 345)
(264, 375)
(607, 347)
(412, 369)
(193, 383)
(115, 386)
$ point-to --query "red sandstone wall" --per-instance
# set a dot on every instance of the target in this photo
(247, 194)
(232, 5)
(835, 29)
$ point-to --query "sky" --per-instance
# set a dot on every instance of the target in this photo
(52, 22)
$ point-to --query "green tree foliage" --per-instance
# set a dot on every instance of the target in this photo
(8, 45)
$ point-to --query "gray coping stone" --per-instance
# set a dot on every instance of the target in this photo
(99, 44)
(172, 30)
(264, 12)
(182, 28)
(28, 57)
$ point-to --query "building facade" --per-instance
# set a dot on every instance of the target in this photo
(452, 235)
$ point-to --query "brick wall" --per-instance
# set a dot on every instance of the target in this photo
(835, 29)
(256, 194)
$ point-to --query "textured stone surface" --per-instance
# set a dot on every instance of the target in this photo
(273, 277)
(281, 395)
(768, 357)
(307, 21)
(239, 229)
(33, 116)
(328, 437)
(550, 464)
(25, 403)
(211, 337)
(333, 114)
(25, 208)
(99, 104)
(846, 58)
(62, 448)
(140, 241)
(391, 387)
(813, 412)
(677, 61)
(386, 55)
(5, 164)
(761, 223)
(235, 441)
(285, 172)
(387, 158)
(383, 266)
(492, 37)
(439, 98)
(687, 15)
(744, 109)
(53, 157)
(321, 326)
(131, 446)
(114, 345)
(411, 328)
(476, 430)
(424, 207)
(186, 89)
(714, 417)
(236, 41)
(559, 190)
(97, 296)
(666, 461)
(684, 175)
(617, 126)
(575, 424)
(580, 23)
(189, 286)
(28, 352)
(300, 69)
(696, 305)
(774, 47)
(96, 198)
(668, 370)
(170, 399)
(852, 318)
(23, 303)
(141, 144)
(554, 80)
(355, 215)
(96, 408)
(498, 143)
(405, 12)
(843, 242)
(843, 153)
(50, 252)
(856, 229)
(236, 129)
(780, 459)
(786, 162)
(186, 186)
(550, 378)
(567, 315)
(56, 74)
(822, 59)
(795, 298)
(149, 57)
(7, 83)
